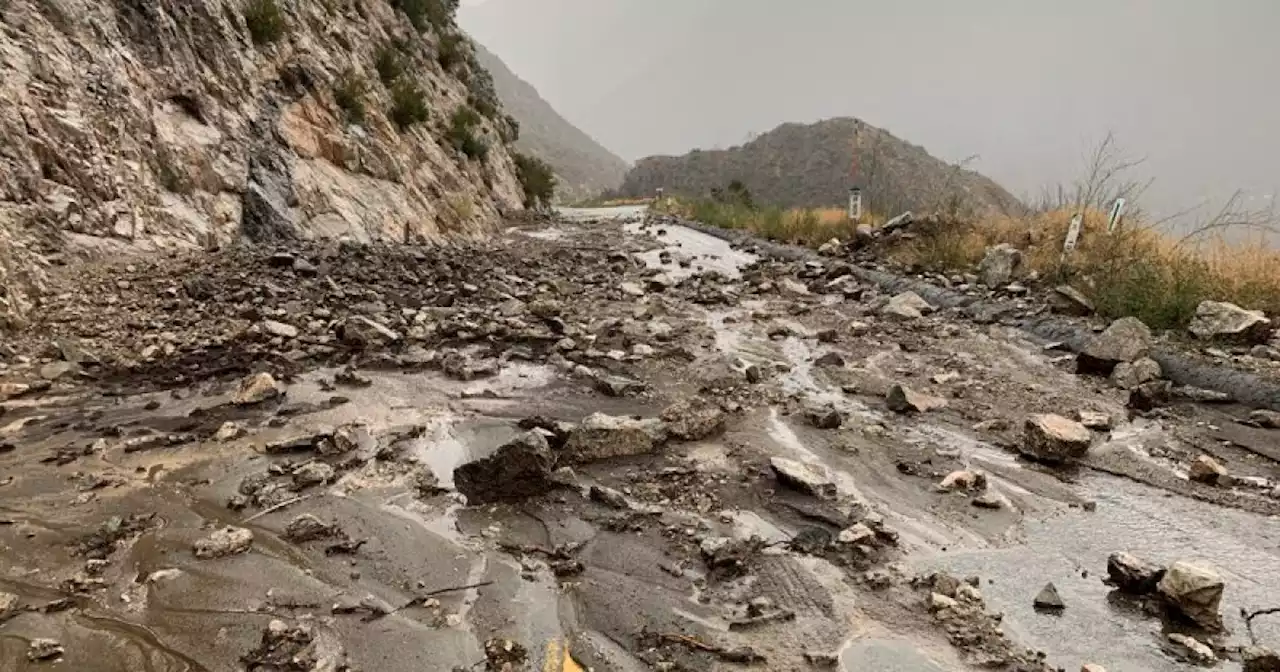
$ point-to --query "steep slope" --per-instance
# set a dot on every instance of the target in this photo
(584, 167)
(163, 123)
(797, 165)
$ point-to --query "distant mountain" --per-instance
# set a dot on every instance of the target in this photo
(584, 167)
(810, 165)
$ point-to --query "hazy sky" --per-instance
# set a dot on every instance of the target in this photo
(1028, 85)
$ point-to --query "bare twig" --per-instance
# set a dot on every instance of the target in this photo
(277, 507)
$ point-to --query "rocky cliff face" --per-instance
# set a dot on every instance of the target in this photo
(170, 123)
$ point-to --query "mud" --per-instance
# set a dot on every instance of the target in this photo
(694, 557)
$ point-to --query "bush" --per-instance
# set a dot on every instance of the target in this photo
(424, 14)
(265, 21)
(462, 133)
(510, 129)
(536, 179)
(348, 93)
(451, 50)
(390, 63)
(408, 104)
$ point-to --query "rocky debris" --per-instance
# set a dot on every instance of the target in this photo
(1129, 375)
(1193, 591)
(350, 377)
(346, 439)
(829, 359)
(902, 399)
(307, 527)
(228, 431)
(1196, 650)
(600, 436)
(1133, 575)
(1125, 340)
(813, 479)
(1150, 395)
(1053, 438)
(1094, 420)
(361, 332)
(300, 647)
(504, 655)
(1048, 599)
(57, 370)
(999, 264)
(313, 472)
(906, 306)
(1068, 300)
(1267, 419)
(617, 386)
(990, 500)
(1260, 659)
(963, 480)
(226, 541)
(521, 468)
(8, 605)
(609, 497)
(694, 419)
(1221, 321)
(1207, 470)
(256, 389)
(278, 329)
(104, 540)
(824, 416)
(44, 649)
(728, 558)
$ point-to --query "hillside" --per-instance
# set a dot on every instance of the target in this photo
(584, 167)
(797, 165)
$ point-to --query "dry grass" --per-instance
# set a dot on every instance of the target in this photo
(797, 227)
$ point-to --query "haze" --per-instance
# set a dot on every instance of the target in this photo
(1027, 86)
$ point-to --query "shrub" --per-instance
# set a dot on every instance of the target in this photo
(265, 21)
(451, 51)
(408, 104)
(462, 133)
(536, 179)
(510, 129)
(424, 14)
(390, 63)
(348, 93)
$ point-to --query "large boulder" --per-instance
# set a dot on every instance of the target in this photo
(1221, 321)
(999, 264)
(1132, 574)
(600, 437)
(519, 469)
(1052, 438)
(1126, 340)
(1194, 591)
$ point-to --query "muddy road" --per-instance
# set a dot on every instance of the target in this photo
(599, 442)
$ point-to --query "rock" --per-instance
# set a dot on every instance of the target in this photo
(279, 329)
(312, 473)
(1194, 591)
(8, 604)
(830, 358)
(694, 419)
(822, 659)
(361, 332)
(906, 306)
(824, 417)
(1132, 574)
(1053, 438)
(1150, 395)
(609, 497)
(659, 282)
(1094, 420)
(632, 289)
(304, 647)
(44, 649)
(999, 265)
(858, 533)
(521, 468)
(1227, 322)
(1092, 667)
(1126, 340)
(1048, 598)
(600, 437)
(617, 386)
(754, 374)
(1129, 375)
(1265, 418)
(1197, 650)
(58, 370)
(989, 500)
(1260, 659)
(830, 248)
(256, 389)
(939, 602)
(1068, 300)
(307, 527)
(1207, 470)
(963, 480)
(226, 541)
(813, 479)
(791, 287)
(863, 234)
(228, 431)
(902, 399)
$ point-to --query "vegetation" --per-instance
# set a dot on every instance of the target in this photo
(451, 50)
(265, 21)
(462, 133)
(348, 93)
(424, 14)
(390, 63)
(800, 226)
(536, 179)
(408, 104)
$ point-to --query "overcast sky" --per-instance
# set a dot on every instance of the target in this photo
(1028, 85)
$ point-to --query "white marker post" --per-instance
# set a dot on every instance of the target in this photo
(1117, 211)
(1073, 235)
(855, 204)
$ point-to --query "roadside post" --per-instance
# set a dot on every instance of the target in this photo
(1117, 212)
(855, 204)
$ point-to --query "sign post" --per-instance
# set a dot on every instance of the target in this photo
(855, 204)
(1117, 212)
(1073, 235)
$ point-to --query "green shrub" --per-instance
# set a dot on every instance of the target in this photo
(510, 129)
(462, 133)
(408, 104)
(451, 50)
(265, 21)
(348, 93)
(390, 63)
(537, 180)
(424, 14)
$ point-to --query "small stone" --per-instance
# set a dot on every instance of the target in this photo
(694, 419)
(1094, 420)
(754, 374)
(1151, 395)
(1265, 418)
(1053, 438)
(902, 399)
(1194, 591)
(998, 265)
(224, 542)
(1093, 667)
(600, 436)
(228, 431)
(858, 533)
(312, 473)
(609, 497)
(813, 479)
(906, 306)
(939, 602)
(824, 417)
(256, 389)
(58, 370)
(1129, 375)
(830, 359)
(1198, 650)
(1048, 598)
(44, 649)
(279, 329)
(963, 480)
(1132, 574)
(8, 604)
(307, 527)
(1207, 470)
(989, 500)
(631, 289)
(362, 332)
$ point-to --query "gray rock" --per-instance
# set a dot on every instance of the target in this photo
(1132, 574)
(1260, 659)
(813, 479)
(632, 289)
(279, 329)
(824, 417)
(1126, 340)
(44, 649)
(312, 473)
(362, 332)
(1196, 650)
(902, 399)
(1207, 470)
(519, 469)
(8, 604)
(1265, 418)
(831, 359)
(1150, 395)
(256, 389)
(58, 370)
(999, 265)
(600, 436)
(1195, 591)
(224, 542)
(694, 419)
(307, 527)
(1068, 300)
(609, 497)
(1129, 375)
(1221, 321)
(1094, 420)
(1053, 438)
(1048, 598)
(906, 306)
(989, 500)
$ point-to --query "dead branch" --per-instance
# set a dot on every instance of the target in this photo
(277, 507)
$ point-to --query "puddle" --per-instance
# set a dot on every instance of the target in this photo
(705, 253)
(451, 441)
